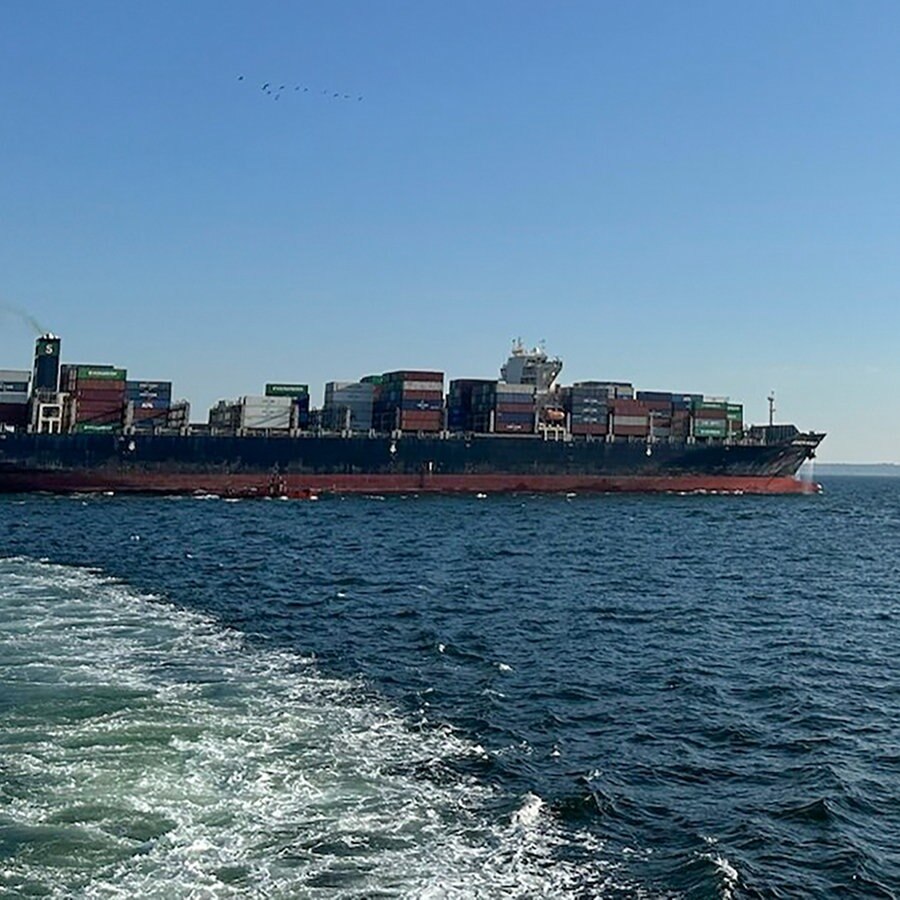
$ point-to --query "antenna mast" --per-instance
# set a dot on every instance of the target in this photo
(771, 399)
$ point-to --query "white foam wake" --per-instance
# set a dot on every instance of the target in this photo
(147, 751)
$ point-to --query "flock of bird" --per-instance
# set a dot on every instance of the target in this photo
(275, 91)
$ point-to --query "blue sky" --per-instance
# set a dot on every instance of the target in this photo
(691, 196)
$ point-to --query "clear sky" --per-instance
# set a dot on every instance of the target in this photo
(691, 196)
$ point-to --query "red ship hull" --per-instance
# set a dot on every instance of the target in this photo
(306, 485)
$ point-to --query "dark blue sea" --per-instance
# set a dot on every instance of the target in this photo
(505, 696)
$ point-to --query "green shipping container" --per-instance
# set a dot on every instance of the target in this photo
(372, 379)
(708, 433)
(87, 428)
(108, 372)
(735, 412)
(710, 404)
(287, 390)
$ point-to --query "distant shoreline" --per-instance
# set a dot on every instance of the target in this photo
(881, 470)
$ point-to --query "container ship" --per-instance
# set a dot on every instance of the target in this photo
(68, 428)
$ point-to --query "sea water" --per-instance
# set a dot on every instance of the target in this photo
(525, 696)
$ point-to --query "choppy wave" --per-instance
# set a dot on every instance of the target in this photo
(147, 751)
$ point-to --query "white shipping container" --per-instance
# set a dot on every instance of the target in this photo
(352, 393)
(260, 420)
(332, 386)
(15, 375)
(267, 402)
(504, 388)
(421, 386)
(630, 420)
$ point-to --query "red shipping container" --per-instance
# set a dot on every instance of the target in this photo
(526, 408)
(422, 416)
(99, 418)
(598, 429)
(710, 414)
(99, 404)
(414, 375)
(629, 407)
(630, 430)
(423, 395)
(98, 384)
(98, 396)
(663, 406)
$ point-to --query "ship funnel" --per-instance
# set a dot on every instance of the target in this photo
(46, 364)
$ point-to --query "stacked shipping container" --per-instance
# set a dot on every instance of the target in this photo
(587, 406)
(409, 400)
(503, 408)
(96, 397)
(460, 415)
(299, 396)
(265, 413)
(615, 390)
(225, 415)
(348, 406)
(14, 385)
(630, 418)
(149, 402)
(710, 418)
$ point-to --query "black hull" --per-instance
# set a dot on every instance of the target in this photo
(171, 462)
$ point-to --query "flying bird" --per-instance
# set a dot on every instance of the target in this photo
(269, 90)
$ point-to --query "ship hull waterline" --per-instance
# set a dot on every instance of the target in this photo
(300, 486)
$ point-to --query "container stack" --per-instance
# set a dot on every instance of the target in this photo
(14, 398)
(179, 415)
(588, 409)
(348, 405)
(409, 400)
(97, 396)
(299, 397)
(615, 390)
(503, 408)
(630, 418)
(150, 402)
(266, 413)
(735, 415)
(459, 402)
(710, 418)
(660, 407)
(682, 406)
(658, 401)
(225, 416)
